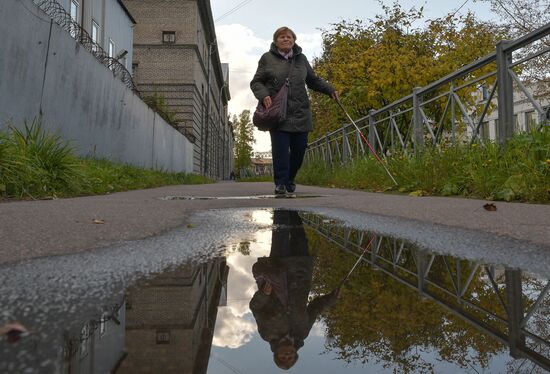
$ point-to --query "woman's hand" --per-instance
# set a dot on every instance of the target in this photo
(267, 102)
(335, 96)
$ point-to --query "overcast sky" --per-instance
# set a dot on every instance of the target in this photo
(245, 34)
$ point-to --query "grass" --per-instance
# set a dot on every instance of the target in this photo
(37, 165)
(519, 172)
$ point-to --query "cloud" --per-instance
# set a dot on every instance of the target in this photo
(232, 331)
(234, 323)
(241, 48)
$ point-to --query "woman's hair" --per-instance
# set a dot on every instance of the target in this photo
(281, 30)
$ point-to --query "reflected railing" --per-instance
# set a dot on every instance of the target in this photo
(508, 304)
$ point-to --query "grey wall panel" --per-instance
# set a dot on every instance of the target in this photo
(81, 98)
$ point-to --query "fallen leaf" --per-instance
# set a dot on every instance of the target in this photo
(417, 193)
(98, 221)
(490, 207)
(190, 226)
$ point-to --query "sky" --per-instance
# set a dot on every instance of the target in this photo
(245, 34)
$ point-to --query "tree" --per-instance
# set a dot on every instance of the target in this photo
(521, 17)
(375, 63)
(244, 138)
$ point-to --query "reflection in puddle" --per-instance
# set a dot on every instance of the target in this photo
(275, 300)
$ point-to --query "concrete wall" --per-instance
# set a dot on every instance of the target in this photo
(43, 70)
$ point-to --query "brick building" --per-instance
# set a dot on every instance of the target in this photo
(176, 56)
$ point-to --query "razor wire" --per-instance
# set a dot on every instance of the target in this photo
(60, 16)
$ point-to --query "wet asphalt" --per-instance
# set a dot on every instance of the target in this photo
(30, 229)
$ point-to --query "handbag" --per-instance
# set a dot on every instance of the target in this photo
(268, 119)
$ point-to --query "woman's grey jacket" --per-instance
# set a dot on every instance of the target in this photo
(273, 69)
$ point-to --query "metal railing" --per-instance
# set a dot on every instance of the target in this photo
(445, 110)
(510, 310)
(60, 16)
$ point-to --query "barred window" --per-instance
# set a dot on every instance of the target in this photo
(168, 37)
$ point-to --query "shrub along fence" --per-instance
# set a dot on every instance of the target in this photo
(449, 110)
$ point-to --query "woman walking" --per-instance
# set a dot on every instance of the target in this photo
(289, 139)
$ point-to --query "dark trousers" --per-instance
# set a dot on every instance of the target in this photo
(288, 150)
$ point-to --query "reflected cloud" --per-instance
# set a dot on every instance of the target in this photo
(232, 331)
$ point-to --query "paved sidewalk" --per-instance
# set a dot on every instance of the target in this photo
(41, 228)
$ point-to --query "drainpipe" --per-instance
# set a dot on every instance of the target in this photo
(222, 120)
(209, 62)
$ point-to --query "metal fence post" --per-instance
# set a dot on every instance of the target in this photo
(372, 130)
(417, 121)
(505, 93)
(453, 113)
(345, 145)
(328, 154)
(422, 261)
(515, 311)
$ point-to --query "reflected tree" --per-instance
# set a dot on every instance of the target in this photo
(379, 319)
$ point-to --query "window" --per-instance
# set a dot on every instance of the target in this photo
(95, 35)
(134, 68)
(102, 326)
(163, 336)
(74, 10)
(168, 37)
(111, 48)
(484, 130)
(84, 338)
(516, 124)
(530, 120)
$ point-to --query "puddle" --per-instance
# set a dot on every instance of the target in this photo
(253, 197)
(270, 295)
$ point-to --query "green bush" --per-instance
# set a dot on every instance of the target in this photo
(35, 164)
(158, 103)
(519, 172)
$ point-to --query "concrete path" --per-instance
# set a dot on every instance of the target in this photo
(41, 228)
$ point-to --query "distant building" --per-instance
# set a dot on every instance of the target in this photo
(108, 22)
(526, 117)
(262, 166)
(176, 56)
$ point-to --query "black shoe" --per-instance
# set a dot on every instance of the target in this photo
(280, 189)
(291, 187)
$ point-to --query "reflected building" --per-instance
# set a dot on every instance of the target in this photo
(164, 325)
(170, 320)
(99, 346)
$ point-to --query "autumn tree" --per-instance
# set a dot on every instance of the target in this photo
(244, 139)
(374, 63)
